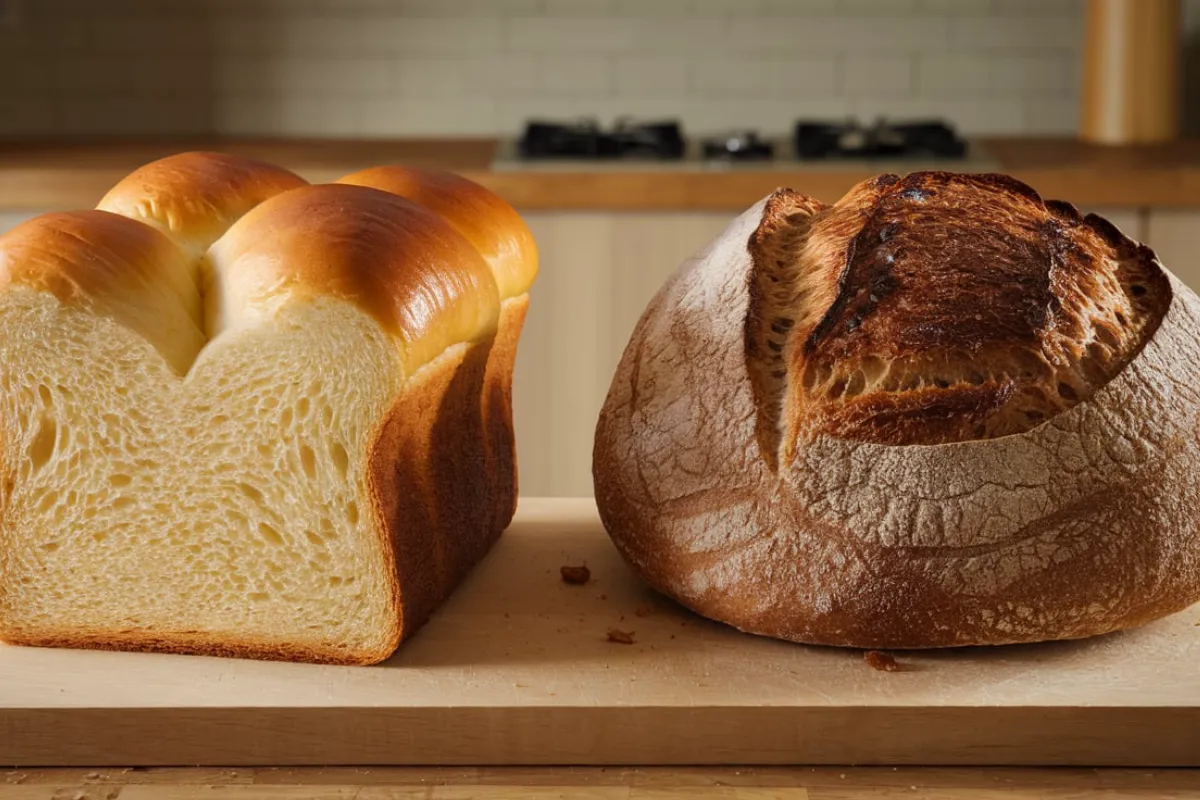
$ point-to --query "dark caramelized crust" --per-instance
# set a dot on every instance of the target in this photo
(938, 307)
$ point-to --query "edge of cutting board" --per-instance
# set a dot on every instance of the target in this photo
(516, 669)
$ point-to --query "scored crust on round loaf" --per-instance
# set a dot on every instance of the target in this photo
(940, 307)
(939, 412)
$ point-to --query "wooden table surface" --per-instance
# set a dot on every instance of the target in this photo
(50, 174)
(596, 783)
(520, 668)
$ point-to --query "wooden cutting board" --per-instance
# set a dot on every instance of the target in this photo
(517, 668)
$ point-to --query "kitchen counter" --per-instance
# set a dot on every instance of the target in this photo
(57, 175)
(547, 783)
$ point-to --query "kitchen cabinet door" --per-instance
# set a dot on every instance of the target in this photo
(1131, 221)
(1175, 236)
(599, 270)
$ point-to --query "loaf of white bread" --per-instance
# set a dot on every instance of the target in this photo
(939, 412)
(242, 415)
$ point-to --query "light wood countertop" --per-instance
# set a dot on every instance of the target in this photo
(597, 783)
(56, 175)
(521, 668)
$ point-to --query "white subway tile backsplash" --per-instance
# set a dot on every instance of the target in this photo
(299, 77)
(471, 117)
(511, 76)
(653, 8)
(454, 8)
(869, 76)
(806, 77)
(798, 7)
(592, 76)
(774, 117)
(430, 78)
(1051, 73)
(322, 116)
(984, 115)
(956, 74)
(960, 7)
(770, 77)
(318, 35)
(913, 33)
(1052, 115)
(1016, 32)
(789, 35)
(570, 34)
(641, 77)
(878, 6)
(859, 35)
(247, 114)
(610, 34)
(398, 36)
(1061, 8)
(478, 67)
(741, 76)
(581, 8)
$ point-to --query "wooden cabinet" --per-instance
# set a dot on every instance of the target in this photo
(1131, 221)
(1175, 236)
(598, 272)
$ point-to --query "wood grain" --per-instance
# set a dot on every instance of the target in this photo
(517, 669)
(792, 783)
(48, 175)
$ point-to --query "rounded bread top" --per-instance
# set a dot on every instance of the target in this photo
(189, 245)
(400, 262)
(485, 219)
(195, 197)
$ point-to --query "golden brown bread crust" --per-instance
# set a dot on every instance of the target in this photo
(118, 267)
(192, 643)
(1079, 525)
(501, 440)
(502, 237)
(195, 197)
(443, 469)
(80, 254)
(400, 262)
(486, 220)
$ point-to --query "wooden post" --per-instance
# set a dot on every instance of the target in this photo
(1131, 71)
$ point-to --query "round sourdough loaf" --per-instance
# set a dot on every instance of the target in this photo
(939, 412)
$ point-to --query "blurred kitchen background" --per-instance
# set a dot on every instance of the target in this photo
(627, 132)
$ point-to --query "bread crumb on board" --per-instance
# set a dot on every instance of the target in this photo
(618, 636)
(576, 576)
(884, 662)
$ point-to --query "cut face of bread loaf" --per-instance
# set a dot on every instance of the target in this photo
(246, 416)
(939, 412)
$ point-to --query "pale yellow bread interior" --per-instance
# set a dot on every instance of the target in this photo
(236, 480)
